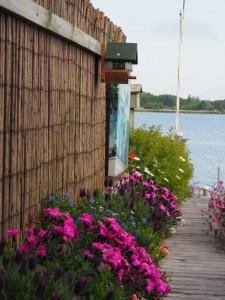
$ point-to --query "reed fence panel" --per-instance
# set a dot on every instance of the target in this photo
(52, 110)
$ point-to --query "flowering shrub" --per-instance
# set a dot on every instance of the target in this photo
(161, 209)
(216, 213)
(97, 259)
(143, 209)
(161, 158)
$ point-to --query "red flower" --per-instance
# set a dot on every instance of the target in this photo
(132, 156)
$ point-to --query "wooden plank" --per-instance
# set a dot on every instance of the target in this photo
(38, 15)
(195, 266)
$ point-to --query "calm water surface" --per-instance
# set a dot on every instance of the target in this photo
(206, 140)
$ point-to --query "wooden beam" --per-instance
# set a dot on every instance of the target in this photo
(31, 11)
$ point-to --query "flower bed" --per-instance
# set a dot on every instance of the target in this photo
(109, 247)
(216, 213)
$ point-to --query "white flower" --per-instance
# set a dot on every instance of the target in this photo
(181, 170)
(132, 211)
(182, 159)
(177, 177)
(136, 158)
(173, 230)
(166, 179)
(138, 167)
(146, 170)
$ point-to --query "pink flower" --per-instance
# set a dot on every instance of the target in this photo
(104, 265)
(147, 196)
(150, 285)
(13, 232)
(104, 231)
(43, 233)
(30, 230)
(162, 287)
(33, 240)
(41, 251)
(131, 178)
(120, 274)
(53, 212)
(162, 207)
(135, 174)
(98, 246)
(88, 253)
(70, 231)
(58, 229)
(113, 255)
(145, 183)
(87, 219)
(25, 248)
(167, 213)
(155, 273)
(135, 260)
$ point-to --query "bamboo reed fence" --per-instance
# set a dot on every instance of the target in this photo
(52, 110)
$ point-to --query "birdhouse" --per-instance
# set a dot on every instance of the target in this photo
(117, 61)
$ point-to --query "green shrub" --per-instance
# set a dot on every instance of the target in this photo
(162, 158)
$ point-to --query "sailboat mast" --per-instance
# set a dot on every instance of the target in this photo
(179, 64)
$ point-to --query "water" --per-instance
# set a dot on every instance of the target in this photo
(206, 140)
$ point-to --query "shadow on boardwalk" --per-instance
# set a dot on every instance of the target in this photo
(196, 266)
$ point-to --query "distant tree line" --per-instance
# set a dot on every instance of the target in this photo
(150, 101)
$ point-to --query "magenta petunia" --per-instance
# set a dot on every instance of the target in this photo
(103, 231)
(58, 229)
(120, 274)
(30, 230)
(43, 233)
(13, 232)
(167, 213)
(33, 240)
(89, 254)
(25, 248)
(99, 246)
(41, 251)
(162, 207)
(104, 265)
(69, 230)
(162, 287)
(87, 220)
(150, 285)
(53, 212)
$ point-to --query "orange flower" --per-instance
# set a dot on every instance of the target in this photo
(164, 250)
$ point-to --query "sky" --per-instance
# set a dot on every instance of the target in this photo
(155, 26)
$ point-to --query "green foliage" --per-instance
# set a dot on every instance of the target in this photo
(166, 159)
(150, 101)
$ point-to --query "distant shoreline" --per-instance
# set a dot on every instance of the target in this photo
(215, 112)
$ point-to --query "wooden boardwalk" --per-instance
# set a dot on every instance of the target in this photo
(195, 264)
